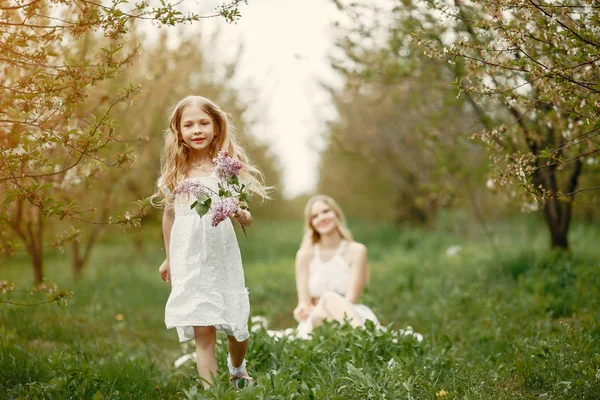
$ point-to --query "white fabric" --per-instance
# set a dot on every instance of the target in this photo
(328, 276)
(331, 278)
(364, 313)
(207, 279)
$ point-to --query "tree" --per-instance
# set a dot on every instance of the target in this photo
(531, 71)
(173, 73)
(44, 85)
(400, 120)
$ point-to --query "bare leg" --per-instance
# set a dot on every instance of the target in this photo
(236, 364)
(333, 306)
(237, 350)
(206, 342)
(317, 315)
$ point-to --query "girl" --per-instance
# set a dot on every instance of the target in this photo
(331, 269)
(203, 263)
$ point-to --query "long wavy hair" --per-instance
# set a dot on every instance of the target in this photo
(176, 154)
(311, 236)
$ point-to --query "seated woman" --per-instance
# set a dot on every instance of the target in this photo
(331, 269)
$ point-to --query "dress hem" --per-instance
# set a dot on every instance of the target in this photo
(239, 334)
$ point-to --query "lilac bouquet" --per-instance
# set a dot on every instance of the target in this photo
(232, 193)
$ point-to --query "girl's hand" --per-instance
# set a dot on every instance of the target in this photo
(165, 271)
(302, 311)
(243, 217)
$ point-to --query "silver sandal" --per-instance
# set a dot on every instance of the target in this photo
(238, 376)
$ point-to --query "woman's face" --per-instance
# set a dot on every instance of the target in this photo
(322, 218)
(197, 128)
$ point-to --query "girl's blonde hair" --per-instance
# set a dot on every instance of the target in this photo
(311, 236)
(176, 154)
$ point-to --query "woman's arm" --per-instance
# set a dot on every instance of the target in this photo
(167, 225)
(359, 273)
(303, 257)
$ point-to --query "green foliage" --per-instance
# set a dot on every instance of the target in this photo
(202, 205)
(527, 73)
(111, 143)
(399, 118)
(69, 76)
(520, 324)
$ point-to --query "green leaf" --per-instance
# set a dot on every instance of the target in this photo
(203, 207)
(193, 204)
(545, 154)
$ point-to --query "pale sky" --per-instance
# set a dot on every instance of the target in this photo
(286, 49)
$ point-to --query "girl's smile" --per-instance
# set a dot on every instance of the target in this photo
(197, 128)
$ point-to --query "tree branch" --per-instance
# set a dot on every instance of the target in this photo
(563, 25)
(572, 182)
(8, 8)
(577, 191)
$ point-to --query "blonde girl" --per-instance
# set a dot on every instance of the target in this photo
(331, 269)
(203, 263)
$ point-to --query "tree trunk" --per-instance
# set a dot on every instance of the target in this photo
(77, 262)
(36, 230)
(558, 218)
(560, 239)
(38, 265)
(558, 213)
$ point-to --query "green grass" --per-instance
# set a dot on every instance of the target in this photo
(509, 321)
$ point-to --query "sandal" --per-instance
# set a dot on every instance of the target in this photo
(238, 375)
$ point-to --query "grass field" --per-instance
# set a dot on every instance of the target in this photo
(508, 321)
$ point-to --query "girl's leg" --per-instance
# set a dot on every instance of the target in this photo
(236, 364)
(237, 351)
(333, 306)
(206, 342)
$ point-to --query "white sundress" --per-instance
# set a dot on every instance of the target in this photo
(331, 277)
(207, 278)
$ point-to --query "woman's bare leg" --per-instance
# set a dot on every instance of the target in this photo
(333, 306)
(206, 342)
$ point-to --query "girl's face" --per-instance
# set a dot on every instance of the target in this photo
(323, 218)
(197, 128)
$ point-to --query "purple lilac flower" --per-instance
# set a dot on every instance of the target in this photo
(225, 166)
(222, 209)
(190, 187)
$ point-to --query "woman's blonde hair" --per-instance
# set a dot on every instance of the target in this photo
(176, 153)
(311, 236)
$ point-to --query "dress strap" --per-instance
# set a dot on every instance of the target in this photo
(317, 252)
(340, 248)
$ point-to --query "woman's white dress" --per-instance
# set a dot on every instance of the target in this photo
(331, 278)
(207, 278)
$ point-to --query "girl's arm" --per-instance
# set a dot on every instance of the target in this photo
(303, 257)
(359, 273)
(167, 225)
